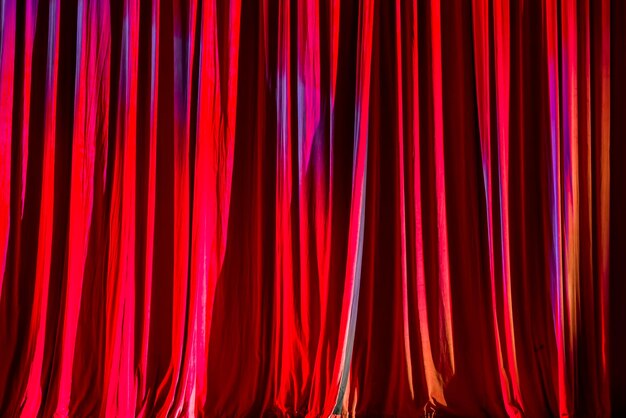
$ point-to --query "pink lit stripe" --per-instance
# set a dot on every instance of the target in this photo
(570, 198)
(7, 57)
(335, 14)
(308, 100)
(285, 373)
(119, 382)
(36, 338)
(29, 38)
(308, 108)
(555, 201)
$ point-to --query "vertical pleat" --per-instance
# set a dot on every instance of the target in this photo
(216, 117)
(204, 259)
(504, 329)
(432, 375)
(445, 344)
(145, 236)
(179, 377)
(308, 104)
(357, 204)
(502, 59)
(586, 351)
(119, 382)
(7, 67)
(287, 379)
(31, 7)
(85, 387)
(402, 201)
(602, 138)
(7, 48)
(570, 175)
(32, 396)
(556, 262)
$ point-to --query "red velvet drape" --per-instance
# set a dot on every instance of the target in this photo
(245, 208)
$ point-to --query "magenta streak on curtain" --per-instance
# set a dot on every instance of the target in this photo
(92, 46)
(37, 330)
(7, 59)
(285, 379)
(308, 90)
(321, 180)
(556, 265)
(570, 199)
(357, 206)
(119, 383)
(402, 201)
(142, 366)
(445, 363)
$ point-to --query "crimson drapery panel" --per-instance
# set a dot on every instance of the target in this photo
(275, 207)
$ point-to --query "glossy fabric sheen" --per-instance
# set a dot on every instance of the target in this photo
(304, 208)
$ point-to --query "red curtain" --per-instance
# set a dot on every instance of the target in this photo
(246, 208)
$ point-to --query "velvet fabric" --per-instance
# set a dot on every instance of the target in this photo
(288, 208)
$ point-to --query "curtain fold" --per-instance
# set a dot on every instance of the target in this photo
(312, 208)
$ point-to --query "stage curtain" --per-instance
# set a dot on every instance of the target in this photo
(227, 208)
